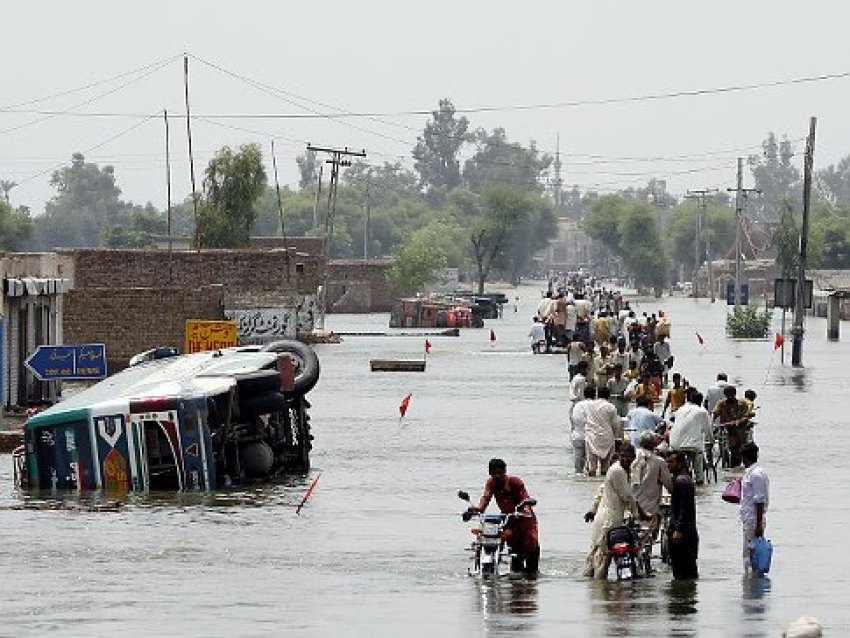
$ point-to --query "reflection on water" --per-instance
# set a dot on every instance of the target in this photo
(620, 605)
(756, 599)
(682, 598)
(508, 603)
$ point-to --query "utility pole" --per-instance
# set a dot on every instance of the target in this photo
(367, 219)
(168, 196)
(336, 161)
(316, 201)
(191, 154)
(741, 194)
(700, 196)
(799, 302)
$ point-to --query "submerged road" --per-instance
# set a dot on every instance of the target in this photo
(379, 549)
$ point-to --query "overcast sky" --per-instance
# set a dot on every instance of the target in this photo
(401, 55)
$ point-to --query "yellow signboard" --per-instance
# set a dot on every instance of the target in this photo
(209, 335)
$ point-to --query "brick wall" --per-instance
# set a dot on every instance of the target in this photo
(305, 245)
(242, 272)
(131, 320)
(345, 274)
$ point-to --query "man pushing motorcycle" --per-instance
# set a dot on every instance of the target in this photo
(509, 492)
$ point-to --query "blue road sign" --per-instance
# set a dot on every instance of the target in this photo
(86, 361)
(743, 295)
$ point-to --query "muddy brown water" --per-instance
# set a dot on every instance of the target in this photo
(379, 549)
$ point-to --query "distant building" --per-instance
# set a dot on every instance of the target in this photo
(570, 249)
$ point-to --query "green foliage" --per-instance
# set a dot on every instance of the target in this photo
(498, 161)
(502, 214)
(417, 260)
(308, 169)
(233, 184)
(15, 227)
(776, 177)
(86, 205)
(436, 152)
(785, 240)
(88, 211)
(833, 183)
(629, 229)
(748, 322)
(718, 232)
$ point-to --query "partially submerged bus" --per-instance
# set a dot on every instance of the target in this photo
(192, 422)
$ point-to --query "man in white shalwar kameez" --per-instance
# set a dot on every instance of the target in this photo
(614, 498)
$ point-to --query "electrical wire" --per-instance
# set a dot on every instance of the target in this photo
(90, 149)
(90, 85)
(88, 101)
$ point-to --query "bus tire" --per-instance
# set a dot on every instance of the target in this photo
(304, 361)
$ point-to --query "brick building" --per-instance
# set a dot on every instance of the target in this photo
(358, 285)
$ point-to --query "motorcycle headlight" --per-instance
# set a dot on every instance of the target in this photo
(490, 529)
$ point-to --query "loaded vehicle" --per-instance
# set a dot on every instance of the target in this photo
(199, 421)
(490, 548)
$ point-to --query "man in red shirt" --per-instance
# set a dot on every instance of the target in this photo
(509, 491)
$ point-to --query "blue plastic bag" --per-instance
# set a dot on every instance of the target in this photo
(761, 555)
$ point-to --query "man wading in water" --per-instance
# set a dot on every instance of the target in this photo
(509, 491)
(684, 540)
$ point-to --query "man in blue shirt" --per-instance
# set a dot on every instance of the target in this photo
(641, 419)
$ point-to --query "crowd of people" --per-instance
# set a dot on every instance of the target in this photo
(643, 427)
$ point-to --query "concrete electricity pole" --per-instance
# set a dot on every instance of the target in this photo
(741, 194)
(799, 301)
(700, 195)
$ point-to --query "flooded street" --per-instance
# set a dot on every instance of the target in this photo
(379, 549)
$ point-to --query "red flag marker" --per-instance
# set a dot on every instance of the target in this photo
(402, 407)
(492, 336)
(427, 347)
(700, 339)
(308, 493)
(778, 341)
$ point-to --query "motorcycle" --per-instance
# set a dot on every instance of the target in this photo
(630, 550)
(489, 548)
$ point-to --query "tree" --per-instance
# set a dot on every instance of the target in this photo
(86, 206)
(436, 152)
(718, 231)
(629, 229)
(416, 262)
(641, 247)
(6, 186)
(785, 240)
(833, 182)
(15, 227)
(233, 184)
(308, 169)
(502, 209)
(775, 176)
(499, 161)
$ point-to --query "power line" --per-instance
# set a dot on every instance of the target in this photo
(88, 101)
(112, 138)
(90, 85)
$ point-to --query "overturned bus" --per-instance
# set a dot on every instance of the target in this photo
(192, 422)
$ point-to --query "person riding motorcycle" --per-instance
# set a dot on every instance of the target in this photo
(509, 492)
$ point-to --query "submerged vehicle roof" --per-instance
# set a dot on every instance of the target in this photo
(189, 375)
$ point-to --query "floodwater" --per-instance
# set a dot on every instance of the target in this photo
(379, 549)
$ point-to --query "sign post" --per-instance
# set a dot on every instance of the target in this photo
(202, 336)
(82, 362)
